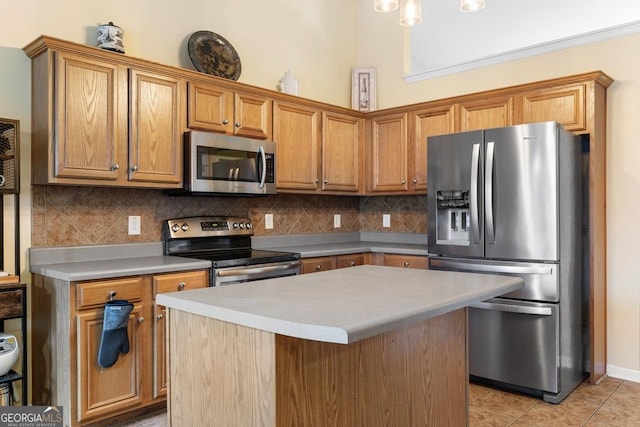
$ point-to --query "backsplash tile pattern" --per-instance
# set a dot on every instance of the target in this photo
(65, 216)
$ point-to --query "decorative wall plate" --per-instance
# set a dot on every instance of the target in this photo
(213, 54)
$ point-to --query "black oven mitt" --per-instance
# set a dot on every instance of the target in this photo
(114, 339)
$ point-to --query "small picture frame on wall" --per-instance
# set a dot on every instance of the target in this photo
(363, 88)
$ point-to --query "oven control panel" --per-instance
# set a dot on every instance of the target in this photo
(208, 226)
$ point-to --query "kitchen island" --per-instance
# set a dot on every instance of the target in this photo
(365, 346)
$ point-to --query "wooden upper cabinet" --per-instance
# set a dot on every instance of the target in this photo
(565, 104)
(88, 133)
(425, 123)
(296, 132)
(388, 154)
(155, 151)
(342, 152)
(485, 114)
(222, 110)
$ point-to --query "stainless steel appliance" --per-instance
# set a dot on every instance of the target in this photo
(509, 201)
(226, 242)
(215, 163)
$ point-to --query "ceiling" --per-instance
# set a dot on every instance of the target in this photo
(450, 41)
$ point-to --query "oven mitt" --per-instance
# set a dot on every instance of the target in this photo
(115, 338)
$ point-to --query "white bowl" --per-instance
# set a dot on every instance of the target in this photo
(8, 352)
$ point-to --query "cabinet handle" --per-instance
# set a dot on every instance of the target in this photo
(134, 168)
(404, 181)
(159, 317)
(318, 267)
(181, 286)
(225, 122)
(406, 264)
(140, 320)
(115, 167)
(112, 295)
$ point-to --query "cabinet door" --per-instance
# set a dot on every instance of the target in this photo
(159, 351)
(155, 140)
(105, 391)
(342, 144)
(564, 105)
(315, 265)
(405, 261)
(486, 114)
(350, 260)
(388, 154)
(252, 116)
(209, 108)
(426, 123)
(90, 118)
(296, 132)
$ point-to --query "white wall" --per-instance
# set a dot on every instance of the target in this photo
(381, 44)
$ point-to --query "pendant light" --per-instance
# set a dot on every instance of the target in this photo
(472, 5)
(385, 5)
(410, 12)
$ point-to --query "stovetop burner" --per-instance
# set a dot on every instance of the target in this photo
(225, 241)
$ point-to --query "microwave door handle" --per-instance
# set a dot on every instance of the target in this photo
(475, 225)
(264, 166)
(488, 201)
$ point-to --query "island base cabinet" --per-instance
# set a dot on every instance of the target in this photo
(414, 375)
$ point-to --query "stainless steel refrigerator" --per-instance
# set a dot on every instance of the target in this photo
(509, 201)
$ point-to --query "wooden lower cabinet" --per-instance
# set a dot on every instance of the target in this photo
(317, 264)
(66, 334)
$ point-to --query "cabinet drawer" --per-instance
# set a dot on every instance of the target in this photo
(91, 294)
(350, 260)
(314, 265)
(180, 281)
(10, 304)
(405, 261)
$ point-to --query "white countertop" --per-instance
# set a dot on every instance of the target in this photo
(343, 305)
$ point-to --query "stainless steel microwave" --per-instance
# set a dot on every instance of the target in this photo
(215, 163)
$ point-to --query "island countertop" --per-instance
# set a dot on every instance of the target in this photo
(343, 305)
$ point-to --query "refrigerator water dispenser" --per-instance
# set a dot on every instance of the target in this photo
(452, 217)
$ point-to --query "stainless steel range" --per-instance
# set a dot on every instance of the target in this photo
(226, 242)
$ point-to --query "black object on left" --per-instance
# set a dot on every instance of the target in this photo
(115, 338)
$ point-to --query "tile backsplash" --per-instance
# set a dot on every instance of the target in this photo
(63, 216)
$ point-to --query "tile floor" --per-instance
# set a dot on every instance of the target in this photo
(612, 403)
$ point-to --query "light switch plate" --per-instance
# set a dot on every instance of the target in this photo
(336, 221)
(386, 220)
(268, 221)
(134, 225)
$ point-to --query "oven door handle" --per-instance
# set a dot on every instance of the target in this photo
(255, 270)
(511, 308)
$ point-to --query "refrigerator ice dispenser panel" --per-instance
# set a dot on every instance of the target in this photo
(452, 217)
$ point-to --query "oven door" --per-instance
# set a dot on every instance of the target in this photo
(231, 275)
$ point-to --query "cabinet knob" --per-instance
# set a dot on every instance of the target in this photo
(140, 320)
(115, 167)
(353, 263)
(134, 168)
(318, 267)
(181, 286)
(326, 181)
(159, 317)
(415, 181)
(317, 181)
(404, 181)
(406, 264)
(225, 122)
(112, 295)
(238, 124)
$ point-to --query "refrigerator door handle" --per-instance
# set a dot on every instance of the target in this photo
(510, 308)
(473, 202)
(492, 268)
(488, 201)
